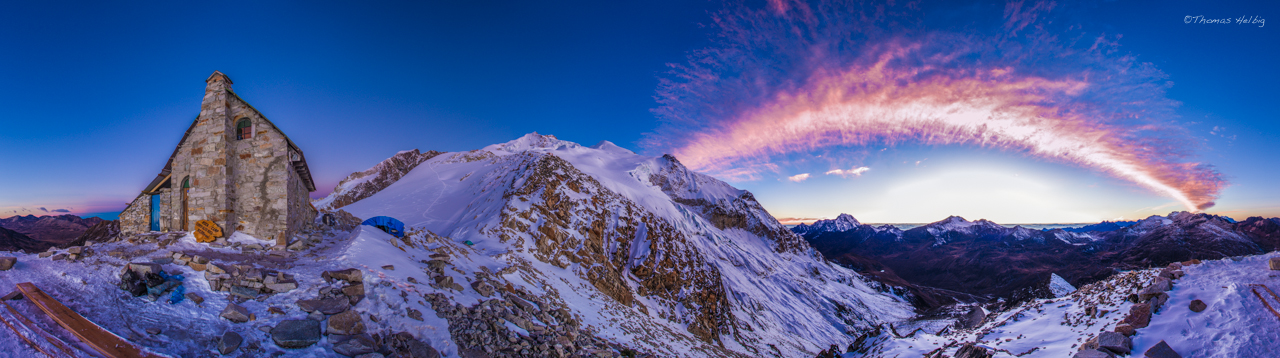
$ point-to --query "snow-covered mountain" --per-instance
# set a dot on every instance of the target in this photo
(638, 249)
(843, 222)
(360, 185)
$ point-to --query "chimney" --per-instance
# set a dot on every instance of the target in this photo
(217, 81)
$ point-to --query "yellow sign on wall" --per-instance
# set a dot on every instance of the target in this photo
(207, 231)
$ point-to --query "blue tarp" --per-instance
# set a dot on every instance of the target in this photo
(390, 225)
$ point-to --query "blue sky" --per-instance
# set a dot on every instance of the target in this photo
(97, 95)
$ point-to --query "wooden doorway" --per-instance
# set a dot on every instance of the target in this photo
(186, 187)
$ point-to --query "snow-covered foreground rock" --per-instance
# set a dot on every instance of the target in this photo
(1235, 323)
(639, 250)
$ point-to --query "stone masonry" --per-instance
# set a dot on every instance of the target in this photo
(254, 181)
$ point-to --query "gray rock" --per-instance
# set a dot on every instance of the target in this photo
(1157, 302)
(283, 286)
(7, 263)
(483, 288)
(348, 322)
(246, 292)
(230, 342)
(1115, 342)
(296, 333)
(350, 275)
(1162, 350)
(969, 350)
(1273, 263)
(325, 306)
(1197, 306)
(59, 257)
(1139, 315)
(1092, 353)
(195, 298)
(235, 313)
(1159, 285)
(45, 254)
(354, 292)
(316, 316)
(354, 345)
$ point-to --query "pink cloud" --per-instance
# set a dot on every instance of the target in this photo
(801, 77)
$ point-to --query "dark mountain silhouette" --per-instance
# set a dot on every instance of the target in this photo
(58, 229)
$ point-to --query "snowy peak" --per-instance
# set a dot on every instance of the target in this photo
(610, 147)
(843, 222)
(531, 141)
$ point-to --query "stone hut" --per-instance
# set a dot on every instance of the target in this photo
(233, 167)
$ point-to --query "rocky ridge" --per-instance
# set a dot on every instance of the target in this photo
(360, 185)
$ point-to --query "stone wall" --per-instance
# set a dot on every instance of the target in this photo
(261, 175)
(302, 215)
(166, 216)
(136, 218)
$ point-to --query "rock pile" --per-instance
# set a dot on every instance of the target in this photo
(243, 281)
(540, 330)
(1151, 299)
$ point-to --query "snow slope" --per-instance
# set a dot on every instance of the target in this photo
(1235, 324)
(645, 252)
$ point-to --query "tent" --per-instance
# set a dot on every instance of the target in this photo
(390, 225)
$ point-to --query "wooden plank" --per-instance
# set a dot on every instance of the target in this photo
(36, 328)
(29, 342)
(1264, 302)
(95, 336)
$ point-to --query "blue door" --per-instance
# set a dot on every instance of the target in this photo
(155, 212)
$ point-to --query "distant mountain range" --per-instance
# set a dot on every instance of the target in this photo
(37, 233)
(984, 260)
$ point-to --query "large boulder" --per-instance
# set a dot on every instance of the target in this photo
(353, 345)
(1274, 263)
(1162, 350)
(7, 263)
(1092, 353)
(1158, 286)
(326, 306)
(1139, 315)
(229, 343)
(235, 313)
(1115, 342)
(296, 333)
(969, 350)
(1197, 306)
(346, 323)
(350, 275)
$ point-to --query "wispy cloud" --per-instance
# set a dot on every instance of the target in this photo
(798, 177)
(60, 211)
(44, 210)
(855, 172)
(794, 76)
